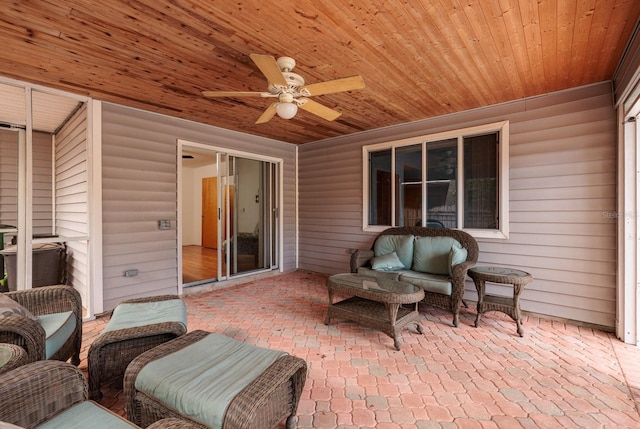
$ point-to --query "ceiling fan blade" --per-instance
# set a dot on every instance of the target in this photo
(318, 109)
(268, 114)
(269, 67)
(331, 86)
(212, 94)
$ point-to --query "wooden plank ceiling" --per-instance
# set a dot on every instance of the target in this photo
(418, 58)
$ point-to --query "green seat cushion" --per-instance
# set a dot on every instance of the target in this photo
(429, 282)
(5, 425)
(87, 414)
(132, 315)
(58, 327)
(6, 354)
(200, 380)
(401, 244)
(431, 254)
(370, 272)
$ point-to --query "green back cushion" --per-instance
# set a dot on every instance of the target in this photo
(431, 254)
(457, 255)
(389, 262)
(401, 244)
(136, 314)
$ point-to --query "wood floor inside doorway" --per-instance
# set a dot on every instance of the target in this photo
(198, 263)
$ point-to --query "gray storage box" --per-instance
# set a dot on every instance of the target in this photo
(49, 261)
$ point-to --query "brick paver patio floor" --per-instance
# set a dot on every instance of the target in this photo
(558, 376)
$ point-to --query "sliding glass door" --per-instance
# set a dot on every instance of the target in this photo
(249, 199)
(237, 218)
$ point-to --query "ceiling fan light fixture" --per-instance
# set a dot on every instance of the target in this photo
(287, 110)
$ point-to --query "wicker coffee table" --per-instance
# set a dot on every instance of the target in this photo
(375, 302)
(508, 305)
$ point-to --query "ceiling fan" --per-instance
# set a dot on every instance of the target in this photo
(290, 90)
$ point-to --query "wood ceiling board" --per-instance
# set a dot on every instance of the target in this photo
(418, 60)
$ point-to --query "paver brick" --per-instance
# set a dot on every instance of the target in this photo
(559, 375)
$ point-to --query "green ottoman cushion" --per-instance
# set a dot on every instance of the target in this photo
(87, 415)
(201, 379)
(133, 315)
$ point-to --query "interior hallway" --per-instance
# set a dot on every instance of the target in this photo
(558, 375)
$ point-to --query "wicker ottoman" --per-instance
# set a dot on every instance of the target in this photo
(136, 326)
(263, 402)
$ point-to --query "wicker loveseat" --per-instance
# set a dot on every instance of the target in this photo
(248, 244)
(436, 259)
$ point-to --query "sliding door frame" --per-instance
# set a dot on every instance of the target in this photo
(276, 261)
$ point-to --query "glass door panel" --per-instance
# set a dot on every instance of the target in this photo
(247, 221)
(251, 209)
(225, 216)
(273, 214)
(200, 216)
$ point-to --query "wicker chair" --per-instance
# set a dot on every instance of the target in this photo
(12, 357)
(110, 353)
(35, 393)
(30, 335)
(360, 258)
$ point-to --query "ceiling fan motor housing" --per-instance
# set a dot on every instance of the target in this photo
(294, 80)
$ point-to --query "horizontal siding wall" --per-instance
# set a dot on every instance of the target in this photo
(562, 200)
(41, 181)
(42, 212)
(140, 187)
(8, 180)
(72, 196)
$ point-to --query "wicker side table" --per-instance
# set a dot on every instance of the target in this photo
(509, 306)
(11, 356)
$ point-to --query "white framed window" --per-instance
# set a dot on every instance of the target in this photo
(454, 179)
